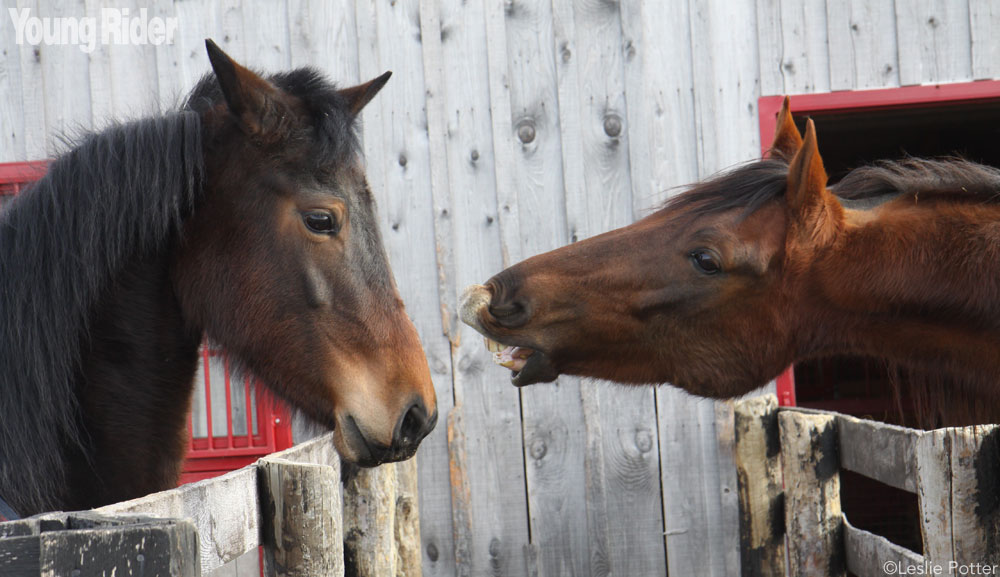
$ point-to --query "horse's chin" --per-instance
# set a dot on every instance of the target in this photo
(537, 369)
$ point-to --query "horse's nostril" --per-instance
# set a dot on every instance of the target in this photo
(414, 425)
(510, 314)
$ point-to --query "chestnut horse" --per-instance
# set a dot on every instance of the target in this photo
(245, 216)
(741, 275)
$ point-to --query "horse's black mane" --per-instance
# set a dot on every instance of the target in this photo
(116, 194)
(750, 186)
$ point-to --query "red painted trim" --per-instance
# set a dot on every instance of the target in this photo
(22, 172)
(927, 96)
(785, 385)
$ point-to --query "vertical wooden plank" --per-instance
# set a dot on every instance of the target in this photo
(170, 90)
(770, 43)
(66, 78)
(196, 21)
(724, 526)
(266, 36)
(397, 150)
(984, 18)
(975, 496)
(592, 116)
(101, 81)
(762, 499)
(794, 57)
(123, 77)
(440, 526)
(490, 406)
(461, 493)
(934, 41)
(369, 522)
(933, 455)
(862, 36)
(660, 101)
(12, 121)
(134, 88)
(812, 494)
(590, 67)
(532, 219)
(726, 86)
(230, 30)
(301, 528)
(323, 34)
(33, 94)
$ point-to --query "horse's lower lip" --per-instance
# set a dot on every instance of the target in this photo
(537, 369)
(533, 365)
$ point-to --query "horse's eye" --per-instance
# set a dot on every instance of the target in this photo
(321, 223)
(705, 261)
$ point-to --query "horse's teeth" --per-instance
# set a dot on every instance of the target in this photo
(493, 346)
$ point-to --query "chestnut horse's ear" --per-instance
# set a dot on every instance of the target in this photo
(246, 93)
(358, 96)
(813, 210)
(787, 140)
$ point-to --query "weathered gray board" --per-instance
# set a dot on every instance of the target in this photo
(84, 544)
(510, 127)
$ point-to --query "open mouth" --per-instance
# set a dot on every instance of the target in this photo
(527, 366)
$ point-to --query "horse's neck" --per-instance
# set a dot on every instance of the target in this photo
(137, 375)
(914, 284)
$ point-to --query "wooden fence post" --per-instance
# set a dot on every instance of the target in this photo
(975, 500)
(408, 554)
(762, 499)
(812, 494)
(301, 525)
(369, 523)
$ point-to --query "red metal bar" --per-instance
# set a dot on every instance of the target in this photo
(229, 401)
(208, 392)
(249, 408)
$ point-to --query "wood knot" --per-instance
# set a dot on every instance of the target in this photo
(612, 125)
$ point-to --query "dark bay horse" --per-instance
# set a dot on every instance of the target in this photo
(736, 278)
(245, 216)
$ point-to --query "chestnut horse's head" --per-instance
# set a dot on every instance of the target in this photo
(282, 262)
(699, 294)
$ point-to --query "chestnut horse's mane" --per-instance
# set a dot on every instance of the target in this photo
(750, 186)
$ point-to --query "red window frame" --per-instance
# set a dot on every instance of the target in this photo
(924, 96)
(212, 455)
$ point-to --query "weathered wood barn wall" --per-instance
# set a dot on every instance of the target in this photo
(511, 127)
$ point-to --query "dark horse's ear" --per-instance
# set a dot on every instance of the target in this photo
(813, 210)
(787, 140)
(246, 93)
(358, 96)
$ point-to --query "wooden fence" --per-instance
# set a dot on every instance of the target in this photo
(788, 469)
(289, 504)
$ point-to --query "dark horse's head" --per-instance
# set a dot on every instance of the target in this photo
(305, 299)
(675, 297)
